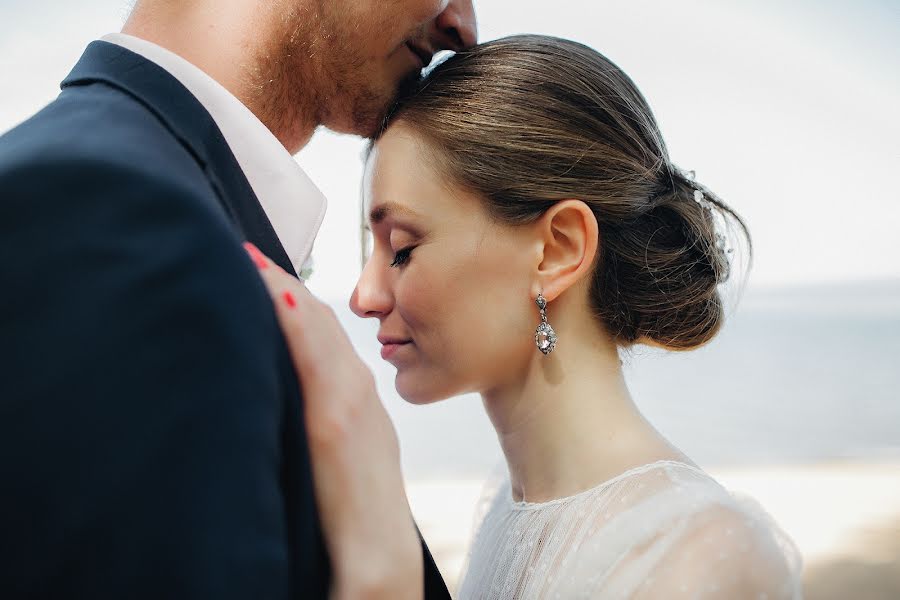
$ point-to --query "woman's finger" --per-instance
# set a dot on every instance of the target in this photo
(310, 327)
(287, 292)
(274, 276)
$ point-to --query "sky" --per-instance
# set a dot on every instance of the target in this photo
(788, 111)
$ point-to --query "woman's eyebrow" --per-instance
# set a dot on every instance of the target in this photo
(389, 209)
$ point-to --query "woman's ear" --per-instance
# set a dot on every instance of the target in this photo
(569, 234)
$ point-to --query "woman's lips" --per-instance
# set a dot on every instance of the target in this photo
(388, 349)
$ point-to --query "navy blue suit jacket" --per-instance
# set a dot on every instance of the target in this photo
(152, 442)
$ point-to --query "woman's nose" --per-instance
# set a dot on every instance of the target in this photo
(371, 298)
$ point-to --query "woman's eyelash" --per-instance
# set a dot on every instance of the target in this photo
(402, 256)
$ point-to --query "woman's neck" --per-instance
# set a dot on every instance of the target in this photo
(570, 423)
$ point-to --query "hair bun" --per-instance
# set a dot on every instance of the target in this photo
(663, 269)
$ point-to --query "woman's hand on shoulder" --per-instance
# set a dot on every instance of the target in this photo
(370, 535)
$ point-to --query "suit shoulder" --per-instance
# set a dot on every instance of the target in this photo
(100, 127)
(97, 148)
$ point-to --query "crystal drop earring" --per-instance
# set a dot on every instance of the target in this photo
(544, 336)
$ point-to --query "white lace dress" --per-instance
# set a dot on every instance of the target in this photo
(665, 530)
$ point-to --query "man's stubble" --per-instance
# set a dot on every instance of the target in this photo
(314, 72)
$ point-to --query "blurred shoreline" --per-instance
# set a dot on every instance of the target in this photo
(843, 515)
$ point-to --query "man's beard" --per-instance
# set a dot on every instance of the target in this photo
(311, 75)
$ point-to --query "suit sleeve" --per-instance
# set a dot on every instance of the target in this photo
(435, 587)
(140, 397)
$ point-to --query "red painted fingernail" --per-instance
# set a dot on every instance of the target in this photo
(289, 299)
(258, 257)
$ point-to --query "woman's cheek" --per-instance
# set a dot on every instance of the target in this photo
(422, 292)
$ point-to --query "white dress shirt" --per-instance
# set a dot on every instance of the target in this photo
(292, 203)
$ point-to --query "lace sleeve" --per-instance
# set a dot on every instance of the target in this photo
(726, 552)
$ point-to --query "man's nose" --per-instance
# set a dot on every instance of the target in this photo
(456, 28)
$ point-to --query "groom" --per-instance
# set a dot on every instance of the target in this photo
(152, 442)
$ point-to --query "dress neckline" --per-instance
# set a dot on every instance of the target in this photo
(525, 505)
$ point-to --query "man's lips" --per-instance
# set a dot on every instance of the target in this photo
(423, 54)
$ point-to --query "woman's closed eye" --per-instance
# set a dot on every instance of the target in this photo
(401, 257)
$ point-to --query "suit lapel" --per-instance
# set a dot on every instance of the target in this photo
(190, 123)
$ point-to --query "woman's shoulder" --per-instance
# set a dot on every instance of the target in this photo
(704, 539)
(725, 550)
(691, 502)
(670, 528)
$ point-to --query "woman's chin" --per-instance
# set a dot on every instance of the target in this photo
(418, 390)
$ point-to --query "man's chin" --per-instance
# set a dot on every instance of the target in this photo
(362, 128)
(363, 121)
(406, 87)
(410, 82)
(370, 110)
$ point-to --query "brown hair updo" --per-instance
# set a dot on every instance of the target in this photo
(527, 121)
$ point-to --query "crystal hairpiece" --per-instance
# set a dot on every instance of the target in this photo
(700, 198)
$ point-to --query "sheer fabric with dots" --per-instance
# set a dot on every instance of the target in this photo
(664, 530)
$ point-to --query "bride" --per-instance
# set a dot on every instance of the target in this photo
(528, 225)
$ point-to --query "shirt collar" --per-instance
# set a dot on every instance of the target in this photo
(293, 204)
